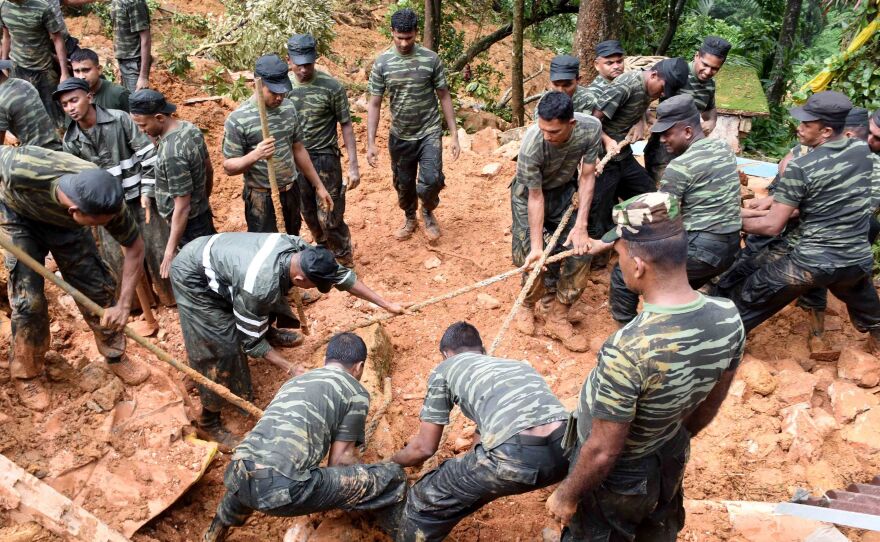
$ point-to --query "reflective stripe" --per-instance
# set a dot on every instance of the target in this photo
(145, 150)
(116, 171)
(206, 263)
(345, 278)
(254, 268)
(258, 323)
(147, 180)
(149, 161)
(128, 162)
(249, 332)
(131, 181)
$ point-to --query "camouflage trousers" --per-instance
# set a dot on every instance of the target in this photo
(620, 180)
(129, 72)
(417, 171)
(45, 81)
(259, 213)
(640, 500)
(329, 230)
(709, 255)
(77, 257)
(566, 279)
(656, 157)
(462, 485)
(355, 487)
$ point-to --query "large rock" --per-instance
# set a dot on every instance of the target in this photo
(464, 140)
(757, 376)
(514, 134)
(491, 169)
(859, 367)
(864, 432)
(485, 141)
(474, 121)
(848, 400)
(508, 151)
(795, 386)
(807, 433)
(756, 522)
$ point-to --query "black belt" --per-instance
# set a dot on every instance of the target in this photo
(532, 440)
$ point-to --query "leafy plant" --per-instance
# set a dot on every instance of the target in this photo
(217, 82)
(174, 51)
(771, 137)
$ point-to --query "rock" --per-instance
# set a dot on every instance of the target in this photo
(514, 134)
(361, 104)
(57, 368)
(336, 529)
(486, 301)
(439, 278)
(508, 151)
(464, 139)
(795, 386)
(491, 169)
(859, 367)
(757, 375)
(807, 436)
(432, 263)
(107, 396)
(737, 390)
(756, 522)
(825, 377)
(474, 121)
(301, 532)
(485, 141)
(461, 444)
(864, 433)
(848, 400)
(826, 533)
(92, 377)
(549, 535)
(596, 343)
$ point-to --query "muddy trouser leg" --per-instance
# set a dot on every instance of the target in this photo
(567, 278)
(431, 179)
(198, 226)
(656, 157)
(259, 212)
(604, 200)
(521, 240)
(155, 236)
(634, 180)
(45, 81)
(853, 286)
(129, 70)
(404, 169)
(327, 229)
(759, 250)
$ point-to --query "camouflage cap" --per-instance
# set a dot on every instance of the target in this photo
(646, 217)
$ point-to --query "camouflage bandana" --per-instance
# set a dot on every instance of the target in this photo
(646, 217)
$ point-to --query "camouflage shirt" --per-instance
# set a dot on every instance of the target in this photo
(307, 415)
(502, 396)
(22, 113)
(543, 165)
(702, 91)
(412, 82)
(29, 23)
(624, 104)
(831, 186)
(116, 144)
(320, 104)
(111, 96)
(583, 100)
(243, 133)
(705, 180)
(28, 181)
(130, 18)
(180, 171)
(656, 370)
(596, 88)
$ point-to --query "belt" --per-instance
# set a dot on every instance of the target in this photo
(718, 236)
(262, 190)
(532, 440)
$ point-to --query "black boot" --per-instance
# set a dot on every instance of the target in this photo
(284, 338)
(209, 427)
(216, 531)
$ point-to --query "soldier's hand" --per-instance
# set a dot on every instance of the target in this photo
(142, 83)
(372, 155)
(597, 246)
(747, 212)
(145, 205)
(397, 308)
(265, 149)
(354, 176)
(325, 202)
(455, 147)
(560, 507)
(115, 318)
(165, 267)
(579, 240)
(533, 258)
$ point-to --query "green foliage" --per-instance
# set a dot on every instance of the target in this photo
(103, 11)
(174, 51)
(771, 137)
(216, 82)
(694, 27)
(419, 8)
(875, 250)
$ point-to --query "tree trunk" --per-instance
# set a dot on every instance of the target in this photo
(432, 25)
(674, 17)
(516, 68)
(777, 87)
(594, 23)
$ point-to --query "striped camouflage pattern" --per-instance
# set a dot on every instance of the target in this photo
(655, 370)
(583, 101)
(320, 104)
(411, 82)
(130, 17)
(502, 396)
(546, 166)
(22, 113)
(706, 182)
(875, 183)
(117, 145)
(243, 132)
(831, 186)
(305, 417)
(702, 91)
(624, 103)
(179, 171)
(29, 23)
(29, 178)
(598, 85)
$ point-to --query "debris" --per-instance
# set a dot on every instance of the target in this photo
(432, 262)
(859, 367)
(491, 169)
(107, 396)
(464, 140)
(439, 278)
(757, 375)
(807, 434)
(848, 400)
(508, 151)
(485, 141)
(795, 387)
(92, 377)
(486, 301)
(191, 101)
(865, 431)
(57, 368)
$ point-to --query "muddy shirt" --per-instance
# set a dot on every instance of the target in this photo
(624, 104)
(702, 91)
(29, 23)
(307, 415)
(111, 96)
(831, 186)
(243, 132)
(130, 18)
(22, 113)
(502, 396)
(180, 171)
(28, 181)
(658, 368)
(705, 180)
(320, 104)
(412, 82)
(543, 165)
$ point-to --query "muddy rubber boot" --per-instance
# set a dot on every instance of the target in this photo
(557, 326)
(578, 312)
(284, 338)
(406, 231)
(819, 349)
(209, 427)
(525, 320)
(432, 229)
(129, 371)
(216, 531)
(32, 393)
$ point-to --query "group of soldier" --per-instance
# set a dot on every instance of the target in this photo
(142, 178)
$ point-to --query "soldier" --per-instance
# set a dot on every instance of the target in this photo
(46, 200)
(105, 94)
(415, 78)
(22, 113)
(321, 103)
(276, 469)
(701, 85)
(184, 176)
(520, 425)
(109, 139)
(658, 382)
(245, 151)
(132, 42)
(609, 64)
(565, 76)
(704, 179)
(552, 150)
(874, 135)
(229, 287)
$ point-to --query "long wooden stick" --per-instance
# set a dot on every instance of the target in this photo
(275, 196)
(96, 309)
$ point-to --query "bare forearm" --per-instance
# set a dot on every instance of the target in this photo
(61, 53)
(593, 466)
(304, 164)
(209, 177)
(132, 267)
(350, 143)
(760, 225)
(448, 112)
(364, 292)
(179, 219)
(413, 454)
(237, 166)
(700, 418)
(146, 54)
(536, 220)
(276, 359)
(586, 187)
(373, 110)
(4, 49)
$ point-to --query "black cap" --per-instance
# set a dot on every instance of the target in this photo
(69, 84)
(5, 64)
(829, 106)
(716, 46)
(564, 67)
(609, 48)
(94, 191)
(302, 49)
(674, 72)
(149, 102)
(674, 110)
(857, 116)
(319, 266)
(273, 71)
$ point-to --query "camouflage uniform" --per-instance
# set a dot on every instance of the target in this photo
(130, 18)
(22, 113)
(116, 144)
(242, 134)
(180, 171)
(652, 373)
(111, 96)
(596, 88)
(32, 217)
(415, 140)
(553, 169)
(504, 398)
(322, 103)
(228, 288)
(705, 180)
(583, 101)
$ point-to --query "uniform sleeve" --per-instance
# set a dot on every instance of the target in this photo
(594, 145)
(178, 174)
(252, 322)
(675, 179)
(53, 21)
(614, 95)
(792, 187)
(340, 106)
(529, 162)
(351, 429)
(137, 16)
(438, 77)
(438, 400)
(618, 383)
(233, 140)
(295, 127)
(377, 79)
(738, 349)
(123, 228)
(4, 118)
(146, 153)
(345, 278)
